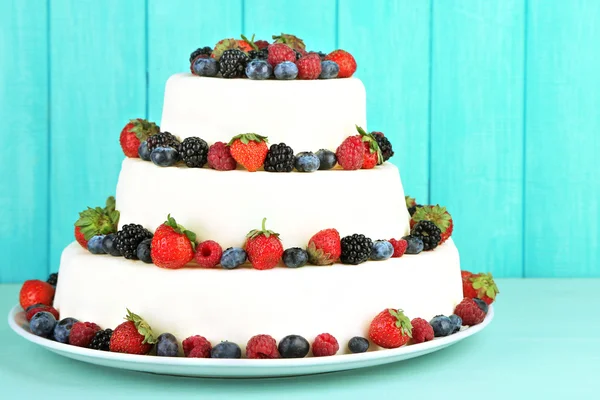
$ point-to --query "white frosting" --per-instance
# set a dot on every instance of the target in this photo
(225, 205)
(237, 304)
(306, 115)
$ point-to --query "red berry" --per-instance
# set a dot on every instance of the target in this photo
(35, 309)
(82, 333)
(469, 312)
(80, 237)
(262, 346)
(135, 132)
(325, 247)
(350, 153)
(279, 53)
(369, 158)
(264, 248)
(399, 247)
(421, 330)
(309, 67)
(172, 245)
(346, 62)
(261, 44)
(194, 342)
(219, 157)
(325, 345)
(208, 254)
(133, 336)
(479, 286)
(36, 292)
(390, 329)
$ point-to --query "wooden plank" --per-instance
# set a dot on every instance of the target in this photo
(562, 226)
(477, 129)
(390, 41)
(98, 83)
(24, 116)
(178, 27)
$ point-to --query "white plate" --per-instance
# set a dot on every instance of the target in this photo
(239, 368)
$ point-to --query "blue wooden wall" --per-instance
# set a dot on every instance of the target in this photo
(493, 108)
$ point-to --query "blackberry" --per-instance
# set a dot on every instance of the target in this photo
(280, 158)
(356, 249)
(163, 139)
(413, 209)
(101, 340)
(384, 145)
(201, 51)
(298, 54)
(194, 152)
(428, 232)
(233, 63)
(53, 279)
(261, 54)
(321, 55)
(128, 239)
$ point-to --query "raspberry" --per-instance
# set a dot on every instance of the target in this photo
(421, 330)
(309, 67)
(201, 351)
(470, 312)
(196, 341)
(399, 247)
(279, 53)
(219, 157)
(208, 254)
(325, 345)
(82, 333)
(262, 346)
(31, 311)
(350, 153)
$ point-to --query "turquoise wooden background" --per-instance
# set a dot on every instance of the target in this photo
(493, 108)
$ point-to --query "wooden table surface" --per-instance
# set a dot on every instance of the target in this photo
(544, 342)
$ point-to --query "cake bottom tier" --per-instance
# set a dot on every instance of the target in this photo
(235, 305)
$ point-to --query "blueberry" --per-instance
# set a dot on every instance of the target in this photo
(233, 257)
(143, 251)
(293, 346)
(62, 330)
(358, 344)
(164, 156)
(143, 151)
(456, 322)
(42, 324)
(442, 325)
(327, 159)
(482, 305)
(205, 67)
(259, 69)
(295, 257)
(108, 245)
(381, 250)
(329, 69)
(95, 244)
(415, 245)
(306, 161)
(226, 350)
(286, 70)
(166, 345)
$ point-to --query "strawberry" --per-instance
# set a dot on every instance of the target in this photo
(134, 133)
(96, 221)
(229, 44)
(32, 310)
(350, 153)
(279, 53)
(345, 61)
(325, 247)
(436, 214)
(134, 336)
(292, 41)
(263, 247)
(390, 329)
(36, 292)
(249, 150)
(480, 286)
(309, 67)
(172, 246)
(372, 155)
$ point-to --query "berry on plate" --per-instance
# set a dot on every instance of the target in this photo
(82, 333)
(280, 158)
(456, 321)
(172, 246)
(96, 221)
(36, 292)
(471, 311)
(286, 70)
(166, 345)
(219, 157)
(128, 239)
(42, 324)
(381, 250)
(436, 214)
(249, 150)
(233, 257)
(280, 52)
(350, 153)
(309, 67)
(136, 131)
(307, 161)
(226, 350)
(390, 329)
(442, 326)
(414, 244)
(101, 340)
(325, 247)
(32, 310)
(134, 336)
(399, 247)
(62, 330)
(200, 344)
(329, 70)
(356, 249)
(208, 254)
(421, 331)
(295, 257)
(325, 345)
(327, 159)
(345, 61)
(372, 155)
(358, 344)
(263, 247)
(481, 286)
(262, 346)
(293, 346)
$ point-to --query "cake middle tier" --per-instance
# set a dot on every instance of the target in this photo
(225, 205)
(306, 115)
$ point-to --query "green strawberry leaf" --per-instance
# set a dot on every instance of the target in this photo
(142, 327)
(402, 321)
(257, 232)
(246, 138)
(181, 230)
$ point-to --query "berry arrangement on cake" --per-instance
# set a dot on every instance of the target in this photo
(260, 220)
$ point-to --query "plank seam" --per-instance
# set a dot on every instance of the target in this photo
(147, 58)
(48, 137)
(243, 14)
(337, 24)
(430, 102)
(524, 143)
